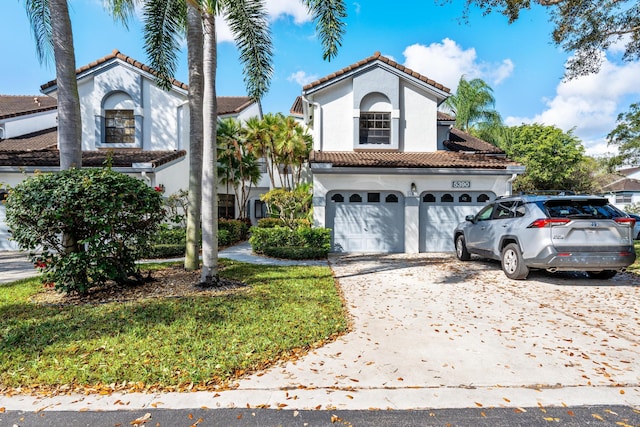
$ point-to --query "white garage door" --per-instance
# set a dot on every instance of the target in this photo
(440, 212)
(366, 221)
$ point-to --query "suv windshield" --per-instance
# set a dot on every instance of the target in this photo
(589, 209)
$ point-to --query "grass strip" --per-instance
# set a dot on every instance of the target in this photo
(167, 343)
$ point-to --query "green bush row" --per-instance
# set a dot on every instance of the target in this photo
(171, 242)
(277, 222)
(276, 239)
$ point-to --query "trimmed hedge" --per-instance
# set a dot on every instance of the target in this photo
(172, 242)
(282, 242)
(277, 222)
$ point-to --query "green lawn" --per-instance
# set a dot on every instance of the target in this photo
(169, 343)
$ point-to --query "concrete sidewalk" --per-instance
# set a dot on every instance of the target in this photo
(15, 265)
(432, 332)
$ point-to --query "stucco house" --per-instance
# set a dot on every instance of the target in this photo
(125, 115)
(625, 190)
(390, 172)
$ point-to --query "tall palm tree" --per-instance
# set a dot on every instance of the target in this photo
(248, 22)
(52, 32)
(473, 105)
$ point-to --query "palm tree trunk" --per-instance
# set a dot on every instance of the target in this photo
(69, 123)
(196, 87)
(209, 275)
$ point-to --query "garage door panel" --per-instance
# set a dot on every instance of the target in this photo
(366, 227)
(440, 214)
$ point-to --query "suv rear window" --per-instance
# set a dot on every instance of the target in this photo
(587, 209)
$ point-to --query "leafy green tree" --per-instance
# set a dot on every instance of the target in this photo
(474, 106)
(289, 205)
(284, 144)
(112, 216)
(554, 159)
(237, 166)
(626, 136)
(584, 27)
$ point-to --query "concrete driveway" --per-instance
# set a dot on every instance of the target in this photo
(15, 265)
(432, 332)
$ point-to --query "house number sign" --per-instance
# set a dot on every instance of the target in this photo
(461, 184)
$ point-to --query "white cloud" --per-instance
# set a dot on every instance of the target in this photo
(590, 104)
(445, 62)
(293, 8)
(302, 78)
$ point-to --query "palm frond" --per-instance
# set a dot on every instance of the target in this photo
(250, 27)
(329, 17)
(121, 10)
(40, 19)
(164, 27)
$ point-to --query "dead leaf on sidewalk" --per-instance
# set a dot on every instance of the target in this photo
(141, 420)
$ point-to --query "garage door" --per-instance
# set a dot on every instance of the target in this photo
(366, 221)
(440, 212)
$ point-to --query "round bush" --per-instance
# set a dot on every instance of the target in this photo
(84, 227)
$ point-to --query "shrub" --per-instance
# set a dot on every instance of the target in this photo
(84, 227)
(170, 235)
(166, 251)
(317, 240)
(277, 222)
(238, 229)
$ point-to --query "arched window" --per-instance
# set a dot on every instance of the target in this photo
(447, 198)
(483, 198)
(465, 198)
(391, 198)
(429, 198)
(119, 127)
(355, 198)
(375, 119)
(338, 198)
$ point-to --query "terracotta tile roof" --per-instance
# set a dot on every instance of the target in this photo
(120, 158)
(439, 159)
(462, 141)
(296, 108)
(377, 57)
(44, 139)
(233, 104)
(116, 54)
(625, 184)
(20, 105)
(445, 117)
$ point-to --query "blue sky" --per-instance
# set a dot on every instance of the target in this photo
(518, 61)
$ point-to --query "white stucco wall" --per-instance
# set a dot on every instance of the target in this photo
(418, 113)
(23, 125)
(336, 119)
(159, 114)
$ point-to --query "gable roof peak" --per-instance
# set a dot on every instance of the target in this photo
(377, 56)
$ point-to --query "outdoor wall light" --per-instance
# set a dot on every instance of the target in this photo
(414, 189)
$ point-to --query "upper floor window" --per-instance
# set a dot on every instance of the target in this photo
(120, 127)
(375, 128)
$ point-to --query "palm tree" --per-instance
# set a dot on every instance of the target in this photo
(473, 105)
(248, 22)
(52, 32)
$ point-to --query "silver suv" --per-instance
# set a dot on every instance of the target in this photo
(555, 233)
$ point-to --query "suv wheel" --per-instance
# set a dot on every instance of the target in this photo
(512, 263)
(604, 274)
(461, 249)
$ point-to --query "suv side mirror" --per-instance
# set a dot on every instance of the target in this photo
(470, 218)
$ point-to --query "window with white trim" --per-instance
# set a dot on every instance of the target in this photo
(375, 128)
